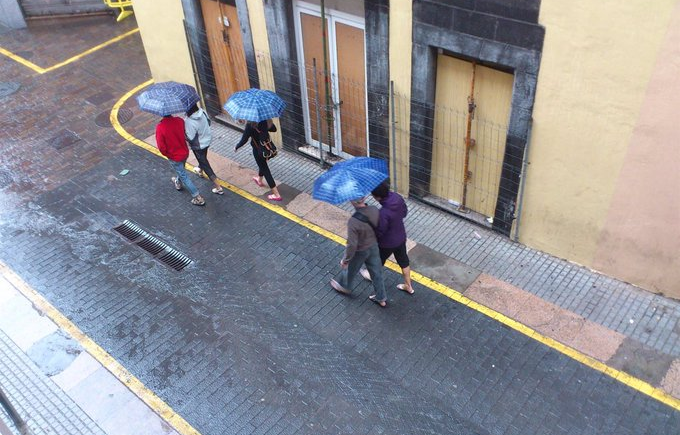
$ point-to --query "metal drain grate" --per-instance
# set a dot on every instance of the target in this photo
(153, 245)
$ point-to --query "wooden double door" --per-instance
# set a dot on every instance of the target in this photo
(472, 109)
(225, 44)
(334, 101)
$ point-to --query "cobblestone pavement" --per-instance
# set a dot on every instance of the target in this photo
(249, 338)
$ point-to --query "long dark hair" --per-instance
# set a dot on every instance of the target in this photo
(192, 110)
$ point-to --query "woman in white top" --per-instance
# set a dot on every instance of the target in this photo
(197, 131)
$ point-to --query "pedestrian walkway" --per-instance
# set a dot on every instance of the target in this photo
(611, 321)
(53, 384)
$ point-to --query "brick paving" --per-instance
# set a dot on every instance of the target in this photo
(250, 339)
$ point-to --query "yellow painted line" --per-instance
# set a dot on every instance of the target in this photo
(41, 70)
(620, 376)
(22, 61)
(106, 360)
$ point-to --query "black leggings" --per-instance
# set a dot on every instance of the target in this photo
(202, 157)
(264, 168)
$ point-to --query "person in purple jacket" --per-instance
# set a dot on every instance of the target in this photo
(391, 233)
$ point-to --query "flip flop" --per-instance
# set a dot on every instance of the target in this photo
(258, 182)
(373, 299)
(403, 287)
(274, 198)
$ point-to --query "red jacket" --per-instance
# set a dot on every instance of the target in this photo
(170, 138)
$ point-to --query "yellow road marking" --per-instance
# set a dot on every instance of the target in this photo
(135, 385)
(41, 70)
(618, 375)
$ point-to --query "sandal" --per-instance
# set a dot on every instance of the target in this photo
(197, 170)
(274, 197)
(406, 289)
(258, 182)
(372, 298)
(217, 191)
(198, 200)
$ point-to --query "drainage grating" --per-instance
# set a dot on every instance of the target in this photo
(153, 245)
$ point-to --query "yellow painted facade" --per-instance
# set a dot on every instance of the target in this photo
(162, 30)
(596, 64)
(400, 40)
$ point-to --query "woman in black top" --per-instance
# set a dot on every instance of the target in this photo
(258, 132)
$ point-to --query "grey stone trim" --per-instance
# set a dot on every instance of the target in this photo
(493, 48)
(283, 51)
(378, 76)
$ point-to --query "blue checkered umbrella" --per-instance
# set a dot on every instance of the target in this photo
(341, 185)
(167, 98)
(379, 165)
(255, 105)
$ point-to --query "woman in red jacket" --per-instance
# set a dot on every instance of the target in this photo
(171, 143)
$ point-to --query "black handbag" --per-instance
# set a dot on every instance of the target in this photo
(266, 147)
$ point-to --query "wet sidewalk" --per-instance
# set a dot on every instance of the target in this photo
(613, 322)
(53, 384)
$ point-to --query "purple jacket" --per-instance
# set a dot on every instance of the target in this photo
(391, 232)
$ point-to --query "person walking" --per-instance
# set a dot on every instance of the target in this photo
(391, 233)
(362, 248)
(171, 143)
(198, 134)
(258, 132)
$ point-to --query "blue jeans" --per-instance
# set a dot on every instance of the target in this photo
(183, 177)
(371, 257)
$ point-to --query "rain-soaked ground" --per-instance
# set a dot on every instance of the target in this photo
(249, 338)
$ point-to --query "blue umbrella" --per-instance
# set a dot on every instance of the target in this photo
(167, 98)
(379, 165)
(341, 185)
(255, 105)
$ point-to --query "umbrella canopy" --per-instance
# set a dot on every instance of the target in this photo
(167, 98)
(341, 185)
(379, 165)
(255, 105)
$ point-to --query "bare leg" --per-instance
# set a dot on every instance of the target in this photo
(406, 271)
(275, 191)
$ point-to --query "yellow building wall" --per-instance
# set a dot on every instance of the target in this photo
(162, 30)
(597, 61)
(400, 40)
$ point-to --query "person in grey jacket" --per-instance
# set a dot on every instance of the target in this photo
(197, 132)
(362, 248)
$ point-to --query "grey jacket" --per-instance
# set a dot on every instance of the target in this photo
(197, 130)
(360, 235)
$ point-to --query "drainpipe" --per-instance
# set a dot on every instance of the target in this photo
(522, 182)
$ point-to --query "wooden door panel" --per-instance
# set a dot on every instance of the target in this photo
(352, 90)
(492, 96)
(237, 56)
(448, 148)
(226, 48)
(312, 44)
